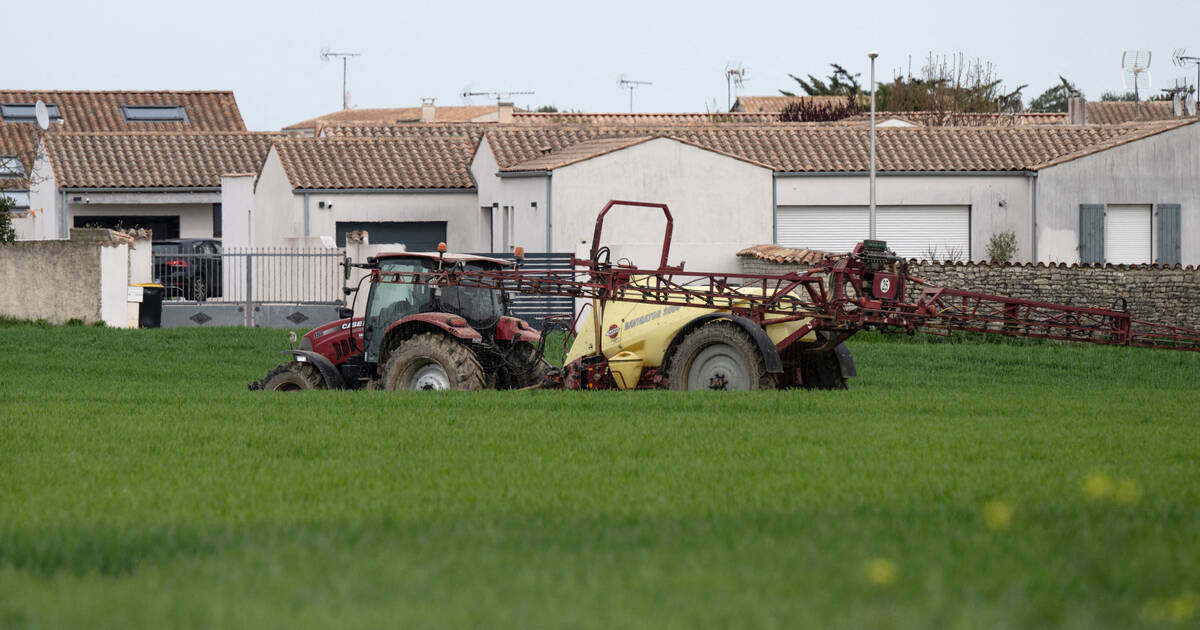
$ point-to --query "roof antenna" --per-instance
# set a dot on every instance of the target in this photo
(631, 85)
(42, 113)
(499, 96)
(326, 55)
(1134, 65)
(735, 77)
(1182, 59)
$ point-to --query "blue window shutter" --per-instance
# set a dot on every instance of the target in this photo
(1091, 233)
(1169, 241)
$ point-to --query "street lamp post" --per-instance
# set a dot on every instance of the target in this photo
(871, 212)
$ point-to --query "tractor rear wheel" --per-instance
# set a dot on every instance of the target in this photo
(432, 361)
(528, 367)
(719, 355)
(292, 377)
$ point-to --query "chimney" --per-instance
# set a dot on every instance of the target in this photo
(428, 111)
(1177, 108)
(1077, 111)
(505, 113)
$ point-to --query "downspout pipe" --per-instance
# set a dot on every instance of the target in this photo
(305, 214)
(1034, 218)
(549, 223)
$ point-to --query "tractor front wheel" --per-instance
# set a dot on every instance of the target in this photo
(292, 377)
(432, 361)
(719, 355)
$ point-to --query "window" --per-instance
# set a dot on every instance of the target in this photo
(20, 198)
(11, 166)
(24, 112)
(154, 113)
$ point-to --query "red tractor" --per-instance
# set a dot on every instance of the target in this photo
(417, 336)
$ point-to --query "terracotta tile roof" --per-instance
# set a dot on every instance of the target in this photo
(1116, 112)
(782, 255)
(577, 153)
(844, 149)
(382, 162)
(426, 130)
(393, 115)
(657, 119)
(18, 141)
(154, 160)
(101, 111)
(776, 104)
(940, 119)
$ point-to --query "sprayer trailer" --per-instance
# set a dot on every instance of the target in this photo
(667, 327)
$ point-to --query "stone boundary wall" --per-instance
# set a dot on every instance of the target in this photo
(1165, 295)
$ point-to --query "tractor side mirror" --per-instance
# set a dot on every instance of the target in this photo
(345, 312)
(346, 262)
(349, 290)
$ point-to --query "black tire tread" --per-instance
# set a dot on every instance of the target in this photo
(461, 365)
(302, 375)
(718, 331)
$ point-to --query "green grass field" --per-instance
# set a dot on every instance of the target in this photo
(973, 485)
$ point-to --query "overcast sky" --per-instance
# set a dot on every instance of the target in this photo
(571, 54)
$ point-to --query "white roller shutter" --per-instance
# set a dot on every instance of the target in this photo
(910, 231)
(1127, 234)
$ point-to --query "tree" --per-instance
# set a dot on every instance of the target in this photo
(1055, 99)
(8, 234)
(948, 87)
(808, 111)
(546, 109)
(841, 82)
(1115, 96)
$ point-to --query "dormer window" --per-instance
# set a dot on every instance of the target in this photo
(154, 113)
(25, 112)
(11, 166)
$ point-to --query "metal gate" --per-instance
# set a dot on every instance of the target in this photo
(536, 308)
(267, 287)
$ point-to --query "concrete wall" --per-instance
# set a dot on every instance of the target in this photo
(720, 204)
(1164, 168)
(983, 193)
(59, 280)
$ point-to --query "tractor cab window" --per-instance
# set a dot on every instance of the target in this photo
(481, 307)
(391, 301)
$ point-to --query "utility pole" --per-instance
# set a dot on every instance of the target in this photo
(326, 55)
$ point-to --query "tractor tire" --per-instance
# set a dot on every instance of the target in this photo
(432, 361)
(529, 367)
(821, 370)
(292, 377)
(718, 355)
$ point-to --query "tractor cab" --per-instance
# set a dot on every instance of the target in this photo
(390, 302)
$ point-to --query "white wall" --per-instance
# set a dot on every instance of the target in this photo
(114, 283)
(1163, 168)
(237, 202)
(277, 213)
(527, 221)
(43, 221)
(983, 193)
(720, 204)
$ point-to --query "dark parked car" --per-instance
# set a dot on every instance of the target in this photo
(188, 268)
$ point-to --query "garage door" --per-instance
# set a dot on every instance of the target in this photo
(910, 231)
(417, 236)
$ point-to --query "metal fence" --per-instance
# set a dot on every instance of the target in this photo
(296, 276)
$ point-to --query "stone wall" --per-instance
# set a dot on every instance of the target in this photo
(1164, 295)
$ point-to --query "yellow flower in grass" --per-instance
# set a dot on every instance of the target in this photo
(1173, 609)
(881, 571)
(997, 514)
(1098, 486)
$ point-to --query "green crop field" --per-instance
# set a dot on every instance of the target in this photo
(957, 484)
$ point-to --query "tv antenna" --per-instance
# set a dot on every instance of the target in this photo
(1182, 60)
(631, 85)
(735, 77)
(326, 55)
(499, 96)
(1135, 64)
